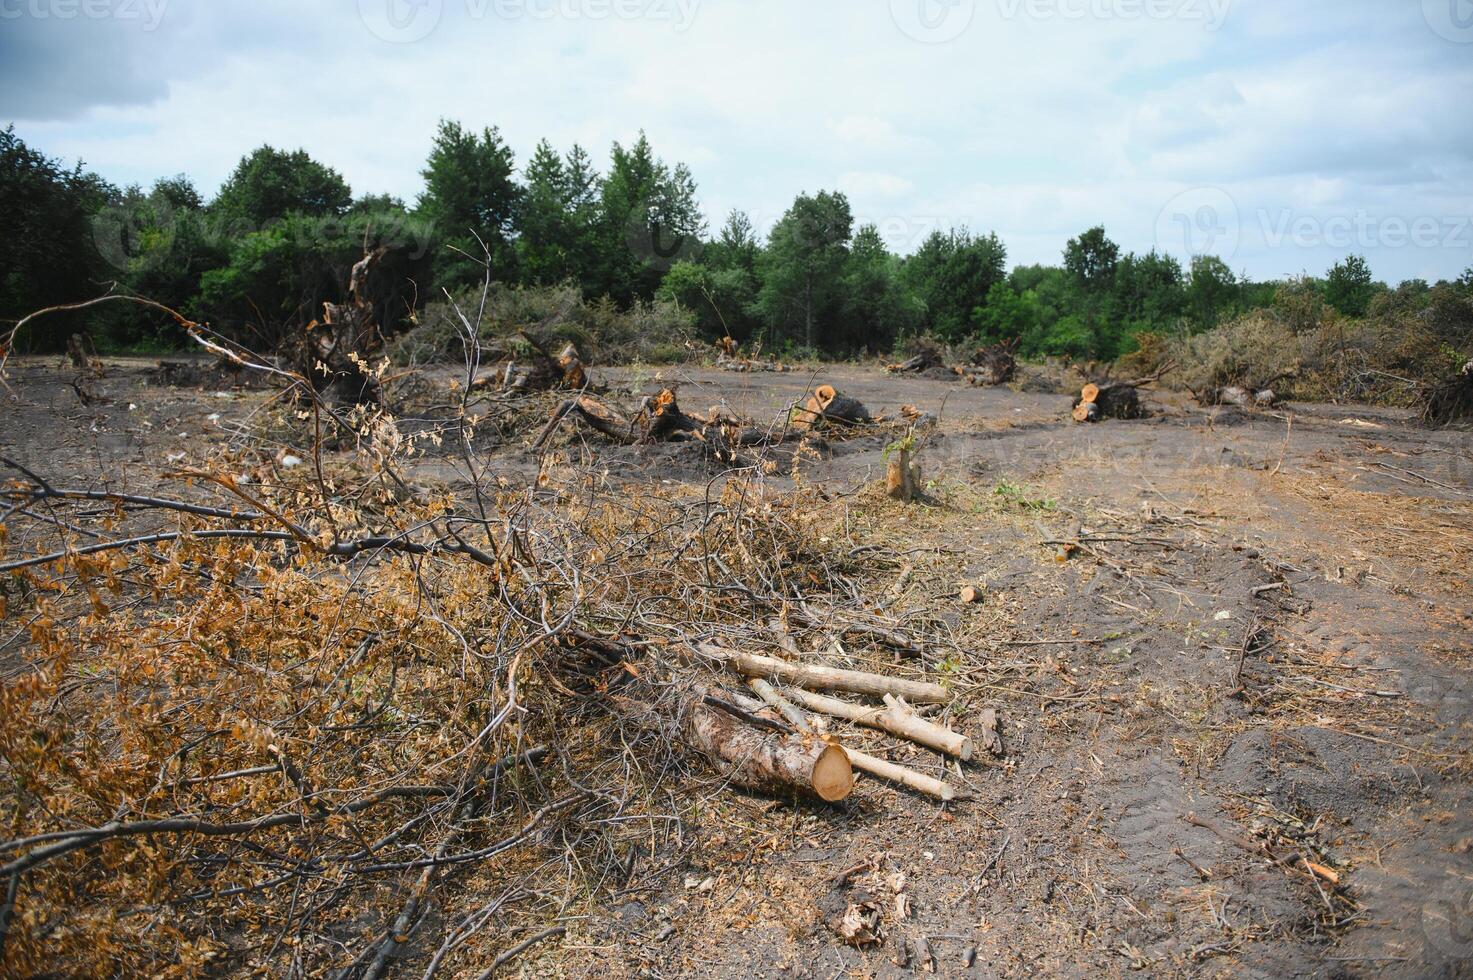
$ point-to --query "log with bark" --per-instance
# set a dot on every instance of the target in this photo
(826, 406)
(766, 761)
(820, 678)
(862, 761)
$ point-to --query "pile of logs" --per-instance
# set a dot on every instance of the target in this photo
(993, 365)
(777, 742)
(539, 371)
(927, 361)
(659, 418)
(729, 358)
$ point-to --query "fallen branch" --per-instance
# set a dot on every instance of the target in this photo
(828, 678)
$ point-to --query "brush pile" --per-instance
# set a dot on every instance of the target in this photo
(295, 725)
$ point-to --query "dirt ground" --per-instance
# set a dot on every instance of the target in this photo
(1266, 639)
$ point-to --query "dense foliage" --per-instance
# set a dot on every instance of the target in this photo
(631, 247)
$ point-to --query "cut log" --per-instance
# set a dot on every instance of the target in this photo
(862, 761)
(827, 678)
(1110, 400)
(827, 405)
(765, 761)
(896, 718)
(971, 595)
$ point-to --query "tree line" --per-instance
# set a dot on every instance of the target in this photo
(259, 258)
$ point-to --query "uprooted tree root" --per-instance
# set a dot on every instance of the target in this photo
(1451, 400)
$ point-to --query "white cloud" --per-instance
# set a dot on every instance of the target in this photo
(1033, 125)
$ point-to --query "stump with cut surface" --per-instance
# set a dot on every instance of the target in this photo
(767, 761)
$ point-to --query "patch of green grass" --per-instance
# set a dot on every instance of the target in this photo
(1020, 496)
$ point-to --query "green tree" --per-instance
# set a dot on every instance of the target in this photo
(159, 245)
(1008, 314)
(1212, 291)
(878, 307)
(471, 197)
(47, 254)
(650, 221)
(268, 184)
(736, 246)
(1349, 286)
(802, 266)
(953, 273)
(1091, 259)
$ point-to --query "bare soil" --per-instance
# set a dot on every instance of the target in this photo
(1264, 640)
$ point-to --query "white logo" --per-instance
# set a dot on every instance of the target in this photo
(1448, 925)
(1201, 221)
(400, 21)
(1451, 19)
(933, 21)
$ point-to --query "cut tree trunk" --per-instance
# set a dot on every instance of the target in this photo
(1110, 400)
(826, 405)
(765, 761)
(919, 782)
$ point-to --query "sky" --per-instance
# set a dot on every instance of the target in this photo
(1281, 136)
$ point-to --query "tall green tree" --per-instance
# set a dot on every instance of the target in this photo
(47, 251)
(1349, 286)
(1212, 291)
(1091, 259)
(472, 197)
(803, 264)
(878, 307)
(268, 184)
(953, 273)
(651, 220)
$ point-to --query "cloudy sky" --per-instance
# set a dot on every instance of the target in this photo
(1280, 135)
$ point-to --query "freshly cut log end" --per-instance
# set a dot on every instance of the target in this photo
(833, 774)
(971, 595)
(827, 405)
(768, 762)
(1090, 393)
